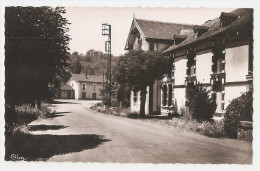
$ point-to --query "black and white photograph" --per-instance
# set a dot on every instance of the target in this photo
(129, 85)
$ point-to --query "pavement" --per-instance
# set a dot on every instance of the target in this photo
(75, 133)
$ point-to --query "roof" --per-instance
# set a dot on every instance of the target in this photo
(245, 16)
(155, 30)
(90, 78)
(65, 87)
(160, 30)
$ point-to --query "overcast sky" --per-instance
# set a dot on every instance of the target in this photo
(85, 28)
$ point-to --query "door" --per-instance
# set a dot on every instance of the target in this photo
(84, 96)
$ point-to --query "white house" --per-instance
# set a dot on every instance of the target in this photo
(86, 86)
(152, 36)
(218, 54)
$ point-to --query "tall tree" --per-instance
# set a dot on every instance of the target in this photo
(36, 46)
(139, 69)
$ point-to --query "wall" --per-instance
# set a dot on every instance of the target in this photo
(233, 91)
(135, 107)
(236, 63)
(75, 86)
(160, 46)
(145, 45)
(156, 95)
(203, 66)
(180, 70)
(179, 97)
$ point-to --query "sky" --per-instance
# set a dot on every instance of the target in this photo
(86, 22)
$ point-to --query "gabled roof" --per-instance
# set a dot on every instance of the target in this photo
(90, 78)
(156, 30)
(65, 87)
(160, 30)
(245, 17)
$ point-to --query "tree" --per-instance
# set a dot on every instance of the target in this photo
(201, 105)
(76, 67)
(36, 48)
(139, 69)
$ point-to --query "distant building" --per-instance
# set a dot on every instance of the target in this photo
(218, 54)
(66, 92)
(86, 86)
(152, 36)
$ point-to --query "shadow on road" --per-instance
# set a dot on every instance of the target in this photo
(45, 127)
(62, 102)
(42, 147)
(56, 114)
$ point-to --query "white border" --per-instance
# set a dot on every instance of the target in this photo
(135, 3)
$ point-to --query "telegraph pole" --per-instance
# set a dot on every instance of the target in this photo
(106, 31)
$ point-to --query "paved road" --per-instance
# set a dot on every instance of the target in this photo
(117, 139)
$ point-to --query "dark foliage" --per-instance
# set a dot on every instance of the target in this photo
(240, 109)
(139, 69)
(93, 62)
(201, 105)
(36, 45)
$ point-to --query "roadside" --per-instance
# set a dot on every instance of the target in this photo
(210, 129)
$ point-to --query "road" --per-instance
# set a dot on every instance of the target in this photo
(77, 134)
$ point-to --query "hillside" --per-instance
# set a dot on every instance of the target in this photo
(93, 62)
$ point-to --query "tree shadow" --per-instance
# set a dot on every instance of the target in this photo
(42, 147)
(138, 116)
(56, 114)
(45, 127)
(62, 102)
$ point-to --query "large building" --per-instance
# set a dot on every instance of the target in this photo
(218, 54)
(86, 86)
(152, 36)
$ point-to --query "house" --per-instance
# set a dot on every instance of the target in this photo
(152, 36)
(66, 92)
(86, 86)
(218, 54)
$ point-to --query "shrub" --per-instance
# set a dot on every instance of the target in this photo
(240, 109)
(215, 129)
(17, 120)
(201, 106)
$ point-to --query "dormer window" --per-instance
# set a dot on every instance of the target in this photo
(179, 38)
(227, 18)
(199, 30)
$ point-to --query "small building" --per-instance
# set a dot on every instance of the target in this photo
(66, 92)
(152, 36)
(218, 54)
(86, 86)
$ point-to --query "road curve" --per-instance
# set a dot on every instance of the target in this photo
(126, 140)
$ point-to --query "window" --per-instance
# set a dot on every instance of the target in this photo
(191, 63)
(173, 69)
(135, 97)
(170, 95)
(217, 86)
(222, 106)
(164, 94)
(151, 46)
(83, 86)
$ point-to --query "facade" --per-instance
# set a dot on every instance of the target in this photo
(66, 92)
(86, 86)
(218, 54)
(152, 36)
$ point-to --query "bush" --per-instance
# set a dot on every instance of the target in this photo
(215, 129)
(201, 106)
(17, 120)
(240, 109)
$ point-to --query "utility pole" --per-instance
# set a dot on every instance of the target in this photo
(106, 31)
